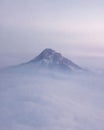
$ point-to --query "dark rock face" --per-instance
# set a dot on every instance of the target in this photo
(54, 60)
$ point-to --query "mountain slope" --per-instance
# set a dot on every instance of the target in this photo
(48, 61)
(51, 59)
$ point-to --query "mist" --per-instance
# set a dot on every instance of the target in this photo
(55, 101)
(33, 98)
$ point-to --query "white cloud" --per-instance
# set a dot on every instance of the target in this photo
(29, 102)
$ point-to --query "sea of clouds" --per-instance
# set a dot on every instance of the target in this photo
(31, 101)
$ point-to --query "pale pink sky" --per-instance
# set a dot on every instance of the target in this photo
(74, 27)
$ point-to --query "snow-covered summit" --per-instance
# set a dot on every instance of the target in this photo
(47, 61)
(52, 59)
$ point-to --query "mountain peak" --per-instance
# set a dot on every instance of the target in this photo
(47, 52)
(52, 59)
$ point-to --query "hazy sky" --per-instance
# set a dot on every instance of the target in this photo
(74, 27)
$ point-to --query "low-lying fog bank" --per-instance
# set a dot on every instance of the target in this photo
(51, 102)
